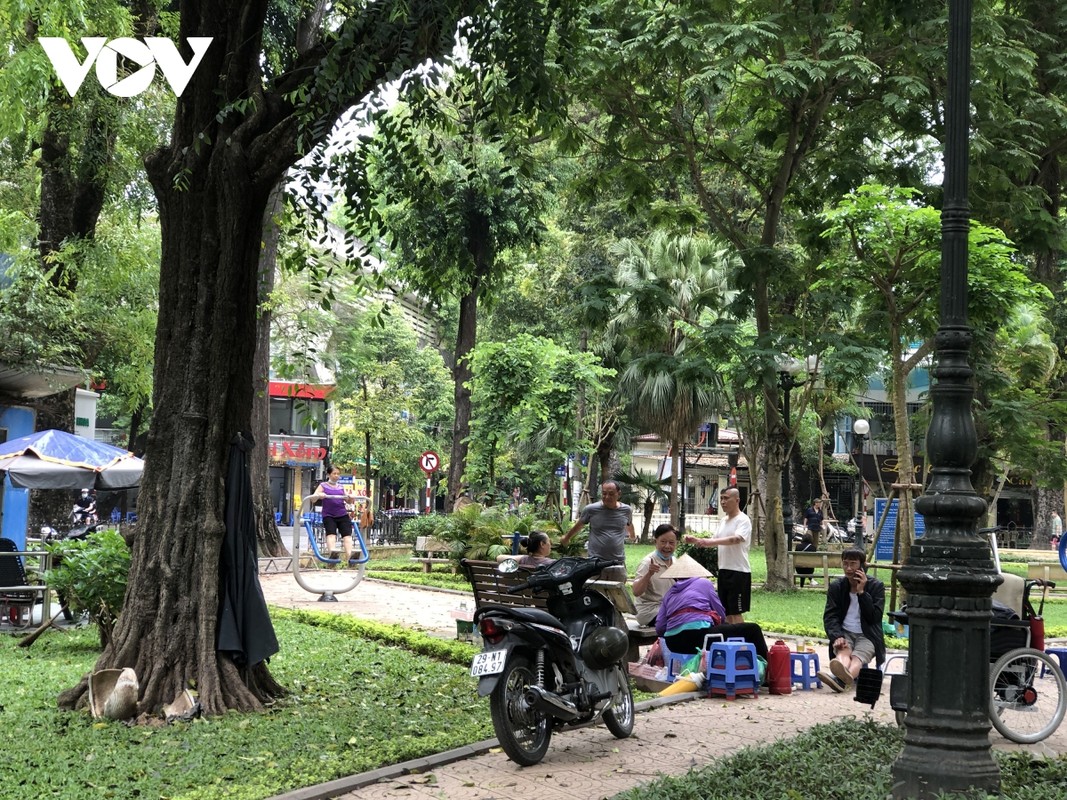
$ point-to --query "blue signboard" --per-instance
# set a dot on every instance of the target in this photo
(884, 549)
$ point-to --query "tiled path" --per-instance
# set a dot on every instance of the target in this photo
(587, 763)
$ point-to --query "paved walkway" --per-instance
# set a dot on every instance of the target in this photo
(589, 762)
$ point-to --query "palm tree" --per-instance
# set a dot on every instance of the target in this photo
(667, 286)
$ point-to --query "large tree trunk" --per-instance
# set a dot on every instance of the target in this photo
(232, 141)
(205, 348)
(72, 193)
(466, 337)
(1046, 501)
(268, 536)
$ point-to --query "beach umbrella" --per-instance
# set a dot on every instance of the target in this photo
(59, 460)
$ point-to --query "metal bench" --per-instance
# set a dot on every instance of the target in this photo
(1050, 572)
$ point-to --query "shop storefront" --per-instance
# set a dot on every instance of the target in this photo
(298, 445)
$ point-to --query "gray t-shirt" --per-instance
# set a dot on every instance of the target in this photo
(607, 530)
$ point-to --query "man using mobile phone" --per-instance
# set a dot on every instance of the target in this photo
(855, 604)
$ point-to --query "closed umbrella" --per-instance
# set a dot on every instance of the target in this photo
(59, 460)
(245, 631)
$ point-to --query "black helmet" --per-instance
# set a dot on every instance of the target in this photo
(604, 646)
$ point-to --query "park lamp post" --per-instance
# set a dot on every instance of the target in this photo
(950, 576)
(860, 429)
(681, 491)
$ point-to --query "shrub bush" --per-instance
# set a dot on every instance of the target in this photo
(90, 576)
(422, 525)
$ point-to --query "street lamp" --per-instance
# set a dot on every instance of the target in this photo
(950, 576)
(860, 429)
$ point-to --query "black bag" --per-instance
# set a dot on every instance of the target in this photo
(1006, 631)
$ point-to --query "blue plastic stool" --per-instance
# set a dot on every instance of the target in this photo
(1060, 654)
(673, 660)
(732, 669)
(804, 669)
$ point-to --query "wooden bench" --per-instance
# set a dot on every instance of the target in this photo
(1048, 571)
(491, 587)
(827, 565)
(822, 562)
(430, 547)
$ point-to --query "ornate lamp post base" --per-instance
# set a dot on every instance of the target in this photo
(946, 744)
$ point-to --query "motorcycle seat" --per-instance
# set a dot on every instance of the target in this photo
(525, 614)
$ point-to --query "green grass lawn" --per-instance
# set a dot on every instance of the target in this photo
(364, 695)
(358, 702)
(796, 613)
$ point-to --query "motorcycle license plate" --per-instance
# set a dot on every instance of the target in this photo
(488, 663)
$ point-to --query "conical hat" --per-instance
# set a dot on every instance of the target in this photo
(685, 567)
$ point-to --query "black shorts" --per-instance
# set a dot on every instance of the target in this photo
(735, 591)
(335, 525)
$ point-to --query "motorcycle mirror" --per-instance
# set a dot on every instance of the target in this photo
(508, 565)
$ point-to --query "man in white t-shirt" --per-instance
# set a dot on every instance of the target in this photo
(735, 572)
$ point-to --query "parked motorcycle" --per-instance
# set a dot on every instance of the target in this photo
(543, 670)
(836, 535)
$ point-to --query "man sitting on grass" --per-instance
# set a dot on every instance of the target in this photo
(853, 621)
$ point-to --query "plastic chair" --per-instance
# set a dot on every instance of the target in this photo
(16, 607)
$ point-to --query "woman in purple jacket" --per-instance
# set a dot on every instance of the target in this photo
(691, 610)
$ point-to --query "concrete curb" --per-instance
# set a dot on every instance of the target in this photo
(325, 791)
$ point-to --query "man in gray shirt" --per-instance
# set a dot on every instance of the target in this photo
(610, 526)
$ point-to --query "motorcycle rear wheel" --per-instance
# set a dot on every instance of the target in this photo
(524, 733)
(619, 718)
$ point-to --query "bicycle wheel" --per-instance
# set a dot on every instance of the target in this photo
(1024, 706)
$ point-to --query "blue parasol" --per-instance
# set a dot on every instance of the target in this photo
(59, 460)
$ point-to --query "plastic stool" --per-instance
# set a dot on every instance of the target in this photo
(805, 670)
(1060, 654)
(732, 669)
(673, 660)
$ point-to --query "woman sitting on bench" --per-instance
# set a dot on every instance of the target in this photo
(538, 550)
(691, 610)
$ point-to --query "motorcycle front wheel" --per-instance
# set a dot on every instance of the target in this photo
(524, 733)
(619, 718)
